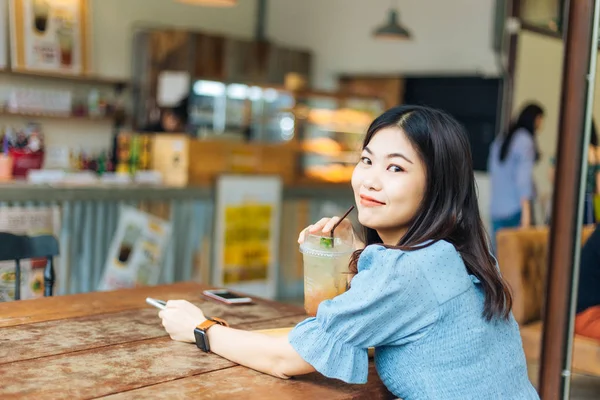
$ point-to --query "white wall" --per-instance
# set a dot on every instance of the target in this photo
(113, 22)
(448, 36)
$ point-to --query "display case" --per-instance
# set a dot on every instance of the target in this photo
(330, 129)
(326, 129)
(273, 119)
(239, 111)
(206, 108)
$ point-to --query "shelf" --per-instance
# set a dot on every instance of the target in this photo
(89, 79)
(108, 118)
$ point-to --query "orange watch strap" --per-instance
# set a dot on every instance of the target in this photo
(220, 321)
(204, 326)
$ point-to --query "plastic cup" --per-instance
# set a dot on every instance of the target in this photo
(325, 267)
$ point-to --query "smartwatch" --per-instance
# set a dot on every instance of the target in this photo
(200, 333)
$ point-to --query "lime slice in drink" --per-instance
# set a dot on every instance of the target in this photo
(326, 243)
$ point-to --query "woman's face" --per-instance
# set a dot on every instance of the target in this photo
(389, 184)
(170, 122)
(539, 123)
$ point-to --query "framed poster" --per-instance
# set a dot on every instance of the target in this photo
(136, 253)
(49, 36)
(3, 33)
(247, 228)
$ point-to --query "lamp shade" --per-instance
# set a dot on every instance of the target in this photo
(210, 3)
(392, 29)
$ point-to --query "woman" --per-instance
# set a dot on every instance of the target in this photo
(510, 164)
(426, 293)
(172, 119)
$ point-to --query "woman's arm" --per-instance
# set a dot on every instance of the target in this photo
(267, 354)
(525, 149)
(525, 213)
(551, 174)
(271, 355)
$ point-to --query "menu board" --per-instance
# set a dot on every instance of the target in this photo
(136, 253)
(49, 35)
(247, 233)
(31, 222)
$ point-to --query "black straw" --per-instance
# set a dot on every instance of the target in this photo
(336, 225)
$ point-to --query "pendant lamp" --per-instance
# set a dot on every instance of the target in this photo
(392, 28)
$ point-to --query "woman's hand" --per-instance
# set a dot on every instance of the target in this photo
(180, 318)
(324, 227)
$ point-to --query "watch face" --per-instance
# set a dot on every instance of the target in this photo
(201, 340)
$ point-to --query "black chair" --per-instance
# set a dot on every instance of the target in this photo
(17, 248)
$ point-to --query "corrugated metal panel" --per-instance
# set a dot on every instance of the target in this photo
(87, 228)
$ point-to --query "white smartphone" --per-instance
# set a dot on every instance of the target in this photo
(160, 304)
(226, 296)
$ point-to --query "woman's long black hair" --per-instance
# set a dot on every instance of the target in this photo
(526, 120)
(449, 210)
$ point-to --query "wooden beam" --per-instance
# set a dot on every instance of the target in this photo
(565, 231)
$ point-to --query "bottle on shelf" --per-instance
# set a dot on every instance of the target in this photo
(94, 103)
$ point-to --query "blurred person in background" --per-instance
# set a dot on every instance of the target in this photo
(172, 119)
(511, 161)
(587, 320)
(592, 182)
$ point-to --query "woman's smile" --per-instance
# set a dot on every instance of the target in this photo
(368, 201)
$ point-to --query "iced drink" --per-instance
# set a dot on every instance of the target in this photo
(65, 42)
(325, 268)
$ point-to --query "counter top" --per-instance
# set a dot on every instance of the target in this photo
(24, 192)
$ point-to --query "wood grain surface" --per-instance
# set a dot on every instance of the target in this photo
(111, 344)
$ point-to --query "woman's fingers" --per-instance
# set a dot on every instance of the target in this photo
(314, 228)
(302, 235)
(323, 226)
(330, 224)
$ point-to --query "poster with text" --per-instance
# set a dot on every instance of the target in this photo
(136, 253)
(49, 35)
(31, 222)
(247, 234)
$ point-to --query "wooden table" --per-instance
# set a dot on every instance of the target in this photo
(112, 345)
